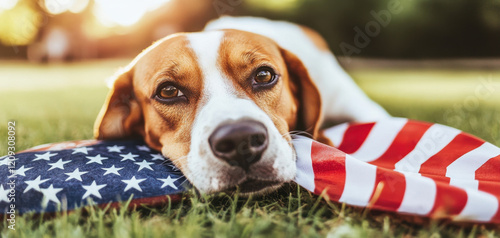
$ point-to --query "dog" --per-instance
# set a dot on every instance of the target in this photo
(222, 103)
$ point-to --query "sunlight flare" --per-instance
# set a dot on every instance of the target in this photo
(123, 12)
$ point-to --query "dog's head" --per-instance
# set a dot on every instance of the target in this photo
(219, 104)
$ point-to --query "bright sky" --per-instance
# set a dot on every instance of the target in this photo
(123, 12)
(60, 6)
(108, 12)
(7, 4)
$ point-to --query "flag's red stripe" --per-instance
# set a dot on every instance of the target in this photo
(354, 137)
(61, 145)
(404, 143)
(329, 170)
(460, 145)
(490, 187)
(393, 190)
(489, 171)
(496, 217)
(438, 179)
(449, 202)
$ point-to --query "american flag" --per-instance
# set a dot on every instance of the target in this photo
(405, 166)
(64, 176)
(395, 165)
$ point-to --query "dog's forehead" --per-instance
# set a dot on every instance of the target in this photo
(206, 47)
(216, 51)
(217, 45)
(168, 50)
(247, 39)
(241, 51)
(170, 57)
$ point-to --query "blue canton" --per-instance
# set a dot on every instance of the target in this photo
(108, 171)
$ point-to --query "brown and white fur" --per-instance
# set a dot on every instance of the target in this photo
(214, 74)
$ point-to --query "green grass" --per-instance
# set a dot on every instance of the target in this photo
(60, 102)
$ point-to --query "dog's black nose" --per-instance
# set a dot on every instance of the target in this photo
(239, 143)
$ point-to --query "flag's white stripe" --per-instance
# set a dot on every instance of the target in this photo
(305, 173)
(380, 138)
(465, 183)
(336, 133)
(480, 206)
(433, 141)
(420, 195)
(359, 182)
(465, 167)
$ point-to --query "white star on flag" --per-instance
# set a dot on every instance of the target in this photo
(75, 175)
(169, 181)
(59, 164)
(133, 183)
(96, 159)
(83, 150)
(158, 157)
(115, 148)
(129, 156)
(34, 184)
(144, 164)
(143, 148)
(3, 194)
(92, 189)
(50, 194)
(45, 156)
(22, 171)
(4, 161)
(112, 170)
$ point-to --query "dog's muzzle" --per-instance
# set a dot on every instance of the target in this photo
(240, 143)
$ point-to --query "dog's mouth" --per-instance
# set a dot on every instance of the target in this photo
(255, 186)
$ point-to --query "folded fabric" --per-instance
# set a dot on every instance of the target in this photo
(64, 176)
(407, 167)
(396, 165)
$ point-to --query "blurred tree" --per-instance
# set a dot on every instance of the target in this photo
(490, 16)
(423, 29)
(19, 24)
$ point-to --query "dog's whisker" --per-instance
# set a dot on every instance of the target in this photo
(173, 161)
(301, 133)
(176, 159)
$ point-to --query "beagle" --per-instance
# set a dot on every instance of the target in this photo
(222, 103)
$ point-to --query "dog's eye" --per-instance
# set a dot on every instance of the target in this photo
(169, 94)
(263, 76)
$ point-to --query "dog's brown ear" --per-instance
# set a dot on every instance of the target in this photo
(121, 114)
(309, 113)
